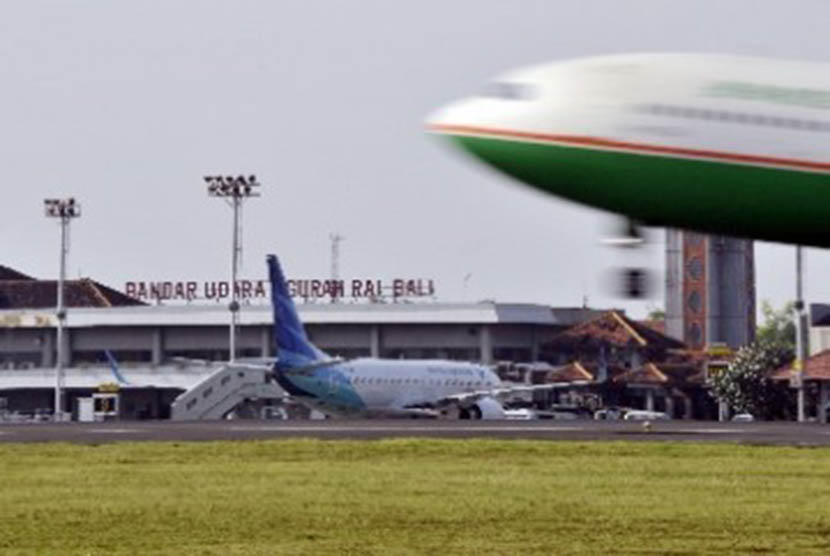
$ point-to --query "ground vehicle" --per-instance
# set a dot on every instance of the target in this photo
(609, 414)
(645, 415)
(743, 418)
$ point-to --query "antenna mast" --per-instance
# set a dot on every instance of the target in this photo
(335, 259)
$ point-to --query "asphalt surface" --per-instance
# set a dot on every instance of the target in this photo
(661, 431)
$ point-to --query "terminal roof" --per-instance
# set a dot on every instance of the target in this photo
(334, 313)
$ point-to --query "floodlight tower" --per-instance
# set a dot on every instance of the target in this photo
(234, 190)
(65, 209)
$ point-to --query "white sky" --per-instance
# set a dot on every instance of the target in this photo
(126, 105)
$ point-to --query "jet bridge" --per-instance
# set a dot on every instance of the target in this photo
(219, 393)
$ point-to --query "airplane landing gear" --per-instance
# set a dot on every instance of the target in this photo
(630, 282)
(634, 283)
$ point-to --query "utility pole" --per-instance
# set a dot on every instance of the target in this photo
(234, 190)
(801, 348)
(335, 260)
(65, 209)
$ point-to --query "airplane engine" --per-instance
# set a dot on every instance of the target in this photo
(485, 408)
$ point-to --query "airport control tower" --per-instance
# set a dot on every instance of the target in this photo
(710, 289)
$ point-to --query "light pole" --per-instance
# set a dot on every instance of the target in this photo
(65, 209)
(234, 190)
(801, 348)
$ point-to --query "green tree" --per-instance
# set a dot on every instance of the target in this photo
(656, 314)
(779, 326)
(744, 385)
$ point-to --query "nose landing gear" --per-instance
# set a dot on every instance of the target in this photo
(628, 235)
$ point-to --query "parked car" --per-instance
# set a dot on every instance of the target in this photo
(521, 414)
(743, 418)
(609, 414)
(645, 415)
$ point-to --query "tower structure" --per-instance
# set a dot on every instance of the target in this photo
(710, 289)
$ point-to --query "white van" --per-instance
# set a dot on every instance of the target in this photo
(644, 415)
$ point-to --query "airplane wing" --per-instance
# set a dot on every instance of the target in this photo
(469, 398)
(267, 365)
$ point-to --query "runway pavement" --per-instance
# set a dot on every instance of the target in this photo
(660, 431)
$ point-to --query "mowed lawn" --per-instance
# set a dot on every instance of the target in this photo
(413, 497)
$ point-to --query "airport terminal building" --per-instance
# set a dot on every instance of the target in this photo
(150, 342)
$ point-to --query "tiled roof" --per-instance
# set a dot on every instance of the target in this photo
(7, 273)
(646, 374)
(572, 372)
(683, 373)
(663, 373)
(615, 329)
(42, 294)
(816, 367)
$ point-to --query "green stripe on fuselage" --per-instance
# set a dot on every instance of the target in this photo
(713, 196)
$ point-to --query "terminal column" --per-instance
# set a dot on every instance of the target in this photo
(485, 344)
(67, 347)
(374, 340)
(158, 346)
(265, 341)
(47, 353)
(534, 344)
(669, 405)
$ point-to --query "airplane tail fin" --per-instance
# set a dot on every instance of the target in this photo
(293, 346)
(116, 372)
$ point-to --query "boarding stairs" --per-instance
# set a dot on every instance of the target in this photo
(218, 394)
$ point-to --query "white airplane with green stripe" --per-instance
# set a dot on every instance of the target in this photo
(730, 145)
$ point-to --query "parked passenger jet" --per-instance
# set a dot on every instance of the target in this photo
(376, 387)
(721, 144)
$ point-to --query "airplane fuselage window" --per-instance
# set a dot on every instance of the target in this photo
(745, 118)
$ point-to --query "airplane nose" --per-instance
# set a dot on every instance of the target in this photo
(447, 118)
(479, 127)
(474, 114)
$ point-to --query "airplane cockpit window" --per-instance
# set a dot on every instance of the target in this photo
(507, 90)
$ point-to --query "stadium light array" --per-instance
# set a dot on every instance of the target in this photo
(65, 209)
(234, 190)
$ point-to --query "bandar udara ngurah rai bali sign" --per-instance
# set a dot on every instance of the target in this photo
(375, 289)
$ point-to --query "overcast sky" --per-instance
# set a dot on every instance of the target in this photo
(126, 105)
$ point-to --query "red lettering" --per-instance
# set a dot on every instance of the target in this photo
(246, 289)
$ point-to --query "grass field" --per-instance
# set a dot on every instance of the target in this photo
(413, 497)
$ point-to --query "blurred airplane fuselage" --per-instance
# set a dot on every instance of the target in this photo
(720, 144)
